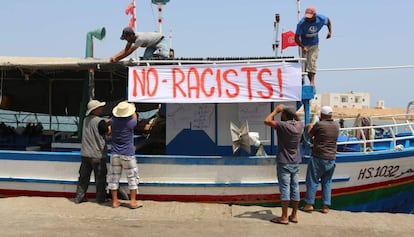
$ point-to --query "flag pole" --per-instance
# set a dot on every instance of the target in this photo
(281, 48)
(135, 15)
(135, 25)
(299, 49)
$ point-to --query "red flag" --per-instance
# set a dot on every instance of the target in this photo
(288, 39)
(132, 22)
(129, 10)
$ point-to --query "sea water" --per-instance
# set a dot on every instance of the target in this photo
(19, 120)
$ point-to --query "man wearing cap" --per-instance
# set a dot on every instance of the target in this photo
(123, 123)
(152, 41)
(93, 153)
(289, 132)
(307, 38)
(321, 164)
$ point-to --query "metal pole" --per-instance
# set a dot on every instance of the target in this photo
(299, 49)
(276, 29)
(135, 15)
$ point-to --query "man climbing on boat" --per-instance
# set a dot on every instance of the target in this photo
(307, 38)
(289, 132)
(152, 41)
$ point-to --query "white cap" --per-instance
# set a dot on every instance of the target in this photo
(326, 110)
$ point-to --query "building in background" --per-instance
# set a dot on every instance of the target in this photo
(352, 100)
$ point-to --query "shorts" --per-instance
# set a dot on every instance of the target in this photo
(119, 163)
(288, 178)
(311, 57)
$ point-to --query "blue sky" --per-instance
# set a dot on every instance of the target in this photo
(369, 33)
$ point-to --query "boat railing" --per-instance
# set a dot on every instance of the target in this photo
(394, 136)
(209, 60)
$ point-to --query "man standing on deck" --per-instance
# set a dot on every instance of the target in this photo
(93, 153)
(289, 132)
(307, 38)
(321, 164)
(152, 41)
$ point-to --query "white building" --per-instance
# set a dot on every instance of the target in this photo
(352, 100)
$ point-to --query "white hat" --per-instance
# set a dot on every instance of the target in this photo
(326, 110)
(94, 104)
(123, 109)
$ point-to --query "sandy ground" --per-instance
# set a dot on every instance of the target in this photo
(37, 216)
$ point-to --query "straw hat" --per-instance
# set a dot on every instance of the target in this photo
(94, 104)
(123, 110)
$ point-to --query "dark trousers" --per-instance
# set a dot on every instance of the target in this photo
(99, 169)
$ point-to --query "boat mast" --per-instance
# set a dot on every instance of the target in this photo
(160, 4)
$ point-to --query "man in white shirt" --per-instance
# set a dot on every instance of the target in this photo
(152, 41)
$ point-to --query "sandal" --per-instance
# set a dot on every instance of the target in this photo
(293, 220)
(278, 220)
(137, 205)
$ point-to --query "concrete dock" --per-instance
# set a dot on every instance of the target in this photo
(39, 216)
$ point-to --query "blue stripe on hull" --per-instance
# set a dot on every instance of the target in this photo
(171, 184)
(198, 160)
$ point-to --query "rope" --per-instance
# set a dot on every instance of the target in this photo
(366, 68)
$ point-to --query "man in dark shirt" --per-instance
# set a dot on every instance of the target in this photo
(289, 132)
(321, 165)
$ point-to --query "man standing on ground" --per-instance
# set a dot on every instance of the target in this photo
(307, 38)
(321, 164)
(289, 132)
(152, 41)
(93, 153)
(123, 123)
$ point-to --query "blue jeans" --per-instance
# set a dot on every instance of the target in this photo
(161, 46)
(288, 177)
(319, 170)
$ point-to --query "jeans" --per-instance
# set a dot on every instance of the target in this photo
(288, 177)
(161, 46)
(319, 170)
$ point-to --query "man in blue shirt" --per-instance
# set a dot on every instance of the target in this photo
(307, 38)
(123, 152)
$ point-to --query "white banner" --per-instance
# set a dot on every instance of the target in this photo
(215, 83)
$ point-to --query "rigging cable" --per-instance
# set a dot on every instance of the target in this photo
(366, 68)
(1, 86)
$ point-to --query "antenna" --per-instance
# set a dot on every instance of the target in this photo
(276, 30)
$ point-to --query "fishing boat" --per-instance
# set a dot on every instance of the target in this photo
(208, 142)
